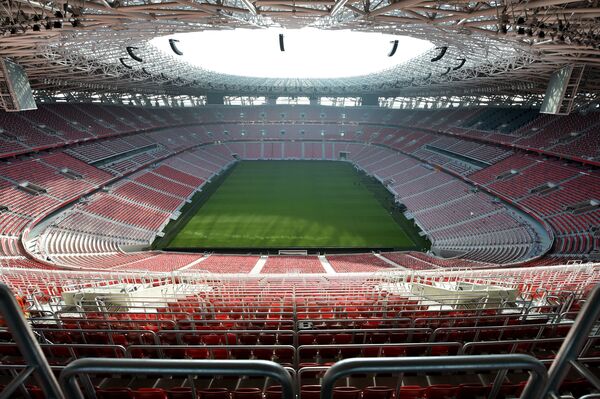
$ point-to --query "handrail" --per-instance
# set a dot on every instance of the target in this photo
(260, 368)
(501, 330)
(574, 343)
(161, 349)
(29, 347)
(44, 321)
(110, 333)
(362, 331)
(426, 345)
(478, 321)
(514, 344)
(264, 307)
(343, 368)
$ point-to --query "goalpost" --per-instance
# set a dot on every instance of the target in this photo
(293, 252)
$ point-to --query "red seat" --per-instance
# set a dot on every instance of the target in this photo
(189, 339)
(324, 339)
(211, 339)
(306, 339)
(197, 353)
(268, 339)
(413, 392)
(442, 350)
(247, 393)
(241, 353)
(310, 392)
(371, 351)
(213, 393)
(343, 339)
(175, 353)
(415, 351)
(264, 354)
(180, 393)
(346, 393)
(379, 338)
(286, 339)
(442, 391)
(248, 339)
(150, 393)
(273, 392)
(393, 351)
(350, 352)
(378, 392)
(221, 354)
(284, 355)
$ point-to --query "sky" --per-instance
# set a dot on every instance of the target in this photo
(309, 52)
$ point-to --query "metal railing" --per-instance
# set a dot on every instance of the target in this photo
(37, 364)
(574, 343)
(250, 368)
(533, 389)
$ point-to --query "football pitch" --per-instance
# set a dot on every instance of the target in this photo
(293, 204)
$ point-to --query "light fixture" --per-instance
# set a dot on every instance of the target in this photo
(441, 54)
(394, 48)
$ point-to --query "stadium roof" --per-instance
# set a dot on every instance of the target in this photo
(490, 47)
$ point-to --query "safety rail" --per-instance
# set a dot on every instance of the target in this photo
(81, 323)
(74, 351)
(575, 342)
(163, 332)
(364, 333)
(512, 346)
(533, 389)
(492, 332)
(483, 320)
(164, 336)
(53, 335)
(250, 368)
(210, 351)
(188, 309)
(37, 364)
(157, 322)
(395, 349)
(405, 300)
(451, 319)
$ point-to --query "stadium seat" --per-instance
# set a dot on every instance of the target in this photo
(150, 393)
(378, 392)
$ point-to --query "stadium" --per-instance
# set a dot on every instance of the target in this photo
(299, 199)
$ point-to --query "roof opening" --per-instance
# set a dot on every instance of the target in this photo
(309, 52)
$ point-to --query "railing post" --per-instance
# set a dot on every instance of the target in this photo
(574, 341)
(27, 344)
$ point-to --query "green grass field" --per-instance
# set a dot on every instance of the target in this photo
(292, 204)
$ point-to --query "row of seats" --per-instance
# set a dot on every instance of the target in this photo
(91, 120)
(59, 124)
(292, 264)
(469, 224)
(434, 391)
(527, 326)
(130, 213)
(515, 178)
